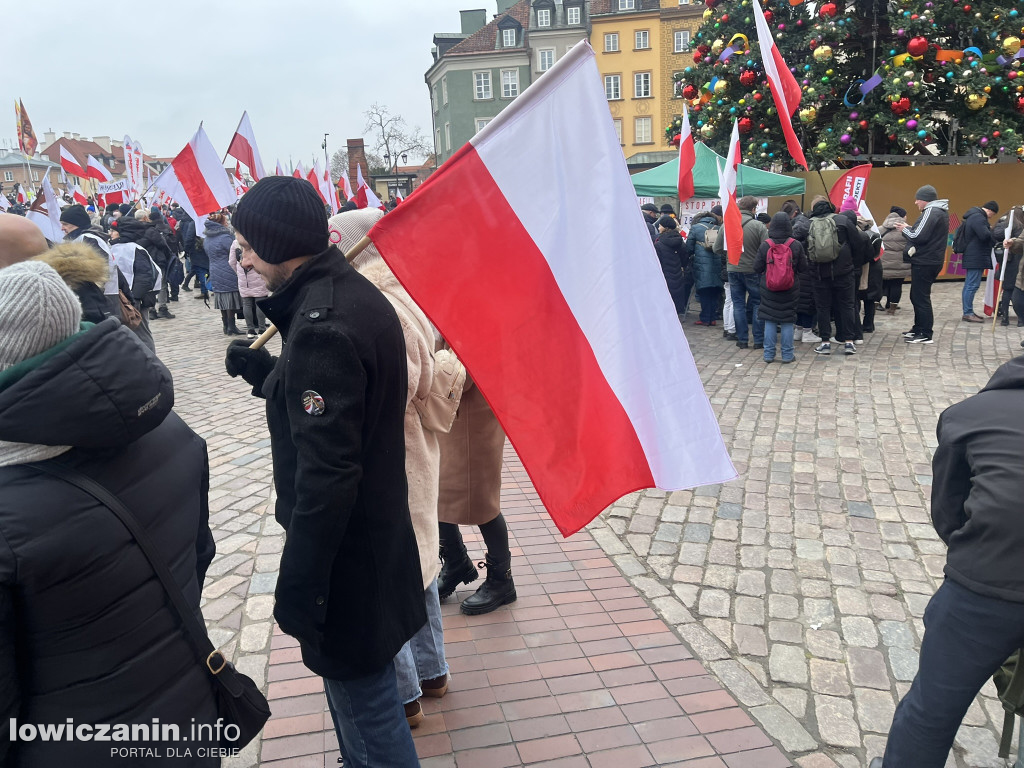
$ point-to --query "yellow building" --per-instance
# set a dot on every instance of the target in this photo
(679, 22)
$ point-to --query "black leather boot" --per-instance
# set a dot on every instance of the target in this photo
(456, 568)
(496, 591)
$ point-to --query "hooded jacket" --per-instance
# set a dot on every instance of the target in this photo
(929, 235)
(705, 263)
(85, 629)
(671, 251)
(980, 240)
(250, 284)
(217, 241)
(85, 272)
(780, 306)
(186, 231)
(754, 233)
(893, 245)
(977, 485)
(853, 245)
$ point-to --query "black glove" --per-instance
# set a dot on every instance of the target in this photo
(253, 365)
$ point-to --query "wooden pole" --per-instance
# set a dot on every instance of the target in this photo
(271, 331)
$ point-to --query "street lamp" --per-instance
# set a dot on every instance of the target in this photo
(324, 145)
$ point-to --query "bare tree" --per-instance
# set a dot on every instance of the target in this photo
(339, 164)
(393, 137)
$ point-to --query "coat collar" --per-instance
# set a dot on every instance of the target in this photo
(308, 292)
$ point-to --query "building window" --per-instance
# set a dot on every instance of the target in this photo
(437, 141)
(444, 89)
(482, 83)
(433, 98)
(642, 85)
(448, 136)
(643, 40)
(627, 5)
(613, 87)
(618, 128)
(573, 17)
(544, 17)
(643, 125)
(508, 38)
(684, 2)
(481, 122)
(35, 175)
(547, 58)
(8, 175)
(611, 42)
(682, 39)
(509, 83)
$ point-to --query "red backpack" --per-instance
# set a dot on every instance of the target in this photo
(779, 274)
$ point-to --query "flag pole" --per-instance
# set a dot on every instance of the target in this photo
(271, 331)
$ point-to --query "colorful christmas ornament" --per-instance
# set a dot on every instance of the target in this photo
(822, 53)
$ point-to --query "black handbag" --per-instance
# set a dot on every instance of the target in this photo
(239, 702)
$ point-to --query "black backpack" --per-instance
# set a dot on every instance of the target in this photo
(960, 238)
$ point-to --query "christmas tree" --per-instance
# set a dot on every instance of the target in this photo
(918, 78)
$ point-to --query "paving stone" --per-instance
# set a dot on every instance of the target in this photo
(904, 663)
(785, 728)
(750, 610)
(896, 633)
(867, 668)
(783, 607)
(859, 631)
(697, 533)
(750, 641)
(751, 583)
(824, 643)
(713, 602)
(874, 709)
(793, 699)
(829, 677)
(860, 509)
(835, 721)
(787, 664)
(740, 683)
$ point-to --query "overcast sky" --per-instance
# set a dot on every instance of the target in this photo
(301, 68)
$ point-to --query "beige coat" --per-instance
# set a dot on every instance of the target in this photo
(471, 456)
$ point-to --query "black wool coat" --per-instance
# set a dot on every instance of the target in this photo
(350, 587)
(980, 239)
(673, 257)
(780, 306)
(85, 629)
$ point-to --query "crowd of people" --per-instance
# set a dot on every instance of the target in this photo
(820, 277)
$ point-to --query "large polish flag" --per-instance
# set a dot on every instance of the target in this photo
(94, 169)
(197, 180)
(365, 197)
(243, 147)
(70, 165)
(315, 177)
(687, 158)
(784, 87)
(732, 221)
(571, 336)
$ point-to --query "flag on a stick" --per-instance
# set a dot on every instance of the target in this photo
(45, 212)
(94, 169)
(629, 411)
(27, 141)
(784, 87)
(197, 180)
(79, 196)
(70, 164)
(732, 227)
(243, 147)
(687, 158)
(993, 283)
(280, 170)
(365, 197)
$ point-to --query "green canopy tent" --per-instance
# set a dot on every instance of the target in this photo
(663, 181)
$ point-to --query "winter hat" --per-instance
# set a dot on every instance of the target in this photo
(649, 207)
(76, 216)
(111, 207)
(716, 210)
(124, 208)
(927, 193)
(991, 205)
(667, 210)
(283, 218)
(849, 204)
(37, 311)
(348, 228)
(898, 211)
(667, 222)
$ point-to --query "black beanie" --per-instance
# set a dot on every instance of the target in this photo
(667, 222)
(76, 216)
(897, 210)
(124, 208)
(992, 205)
(283, 218)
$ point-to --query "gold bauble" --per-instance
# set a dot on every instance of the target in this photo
(721, 87)
(822, 53)
(718, 46)
(808, 115)
(708, 13)
(706, 130)
(1011, 45)
(976, 101)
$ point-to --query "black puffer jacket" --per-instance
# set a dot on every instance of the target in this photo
(672, 255)
(853, 245)
(980, 239)
(85, 629)
(801, 226)
(780, 306)
(977, 486)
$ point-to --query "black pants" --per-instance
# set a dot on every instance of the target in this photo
(1009, 283)
(835, 292)
(867, 325)
(1018, 304)
(495, 535)
(922, 277)
(893, 291)
(967, 638)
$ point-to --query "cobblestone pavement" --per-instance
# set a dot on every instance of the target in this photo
(800, 585)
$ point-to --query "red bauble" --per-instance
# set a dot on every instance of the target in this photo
(747, 78)
(698, 57)
(863, 125)
(1020, 105)
(768, 16)
(758, 97)
(689, 91)
(745, 125)
(813, 44)
(676, 139)
(917, 46)
(828, 9)
(967, 9)
(725, 18)
(900, 107)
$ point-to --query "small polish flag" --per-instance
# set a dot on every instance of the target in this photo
(79, 196)
(314, 177)
(197, 180)
(993, 282)
(346, 186)
(94, 169)
(280, 170)
(4, 202)
(630, 411)
(398, 198)
(22, 196)
(784, 87)
(733, 223)
(69, 164)
(299, 172)
(687, 158)
(365, 197)
(330, 190)
(243, 147)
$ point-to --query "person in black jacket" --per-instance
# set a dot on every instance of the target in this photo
(651, 215)
(350, 587)
(833, 280)
(926, 248)
(977, 256)
(806, 321)
(779, 308)
(86, 631)
(976, 618)
(154, 242)
(674, 259)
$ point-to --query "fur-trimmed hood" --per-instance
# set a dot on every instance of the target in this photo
(77, 264)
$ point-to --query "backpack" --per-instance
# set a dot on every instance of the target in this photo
(778, 274)
(710, 235)
(823, 240)
(1009, 682)
(960, 238)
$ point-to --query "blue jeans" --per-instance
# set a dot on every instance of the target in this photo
(370, 721)
(746, 301)
(771, 330)
(971, 284)
(422, 658)
(967, 638)
(708, 304)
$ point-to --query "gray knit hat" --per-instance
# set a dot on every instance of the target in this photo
(37, 311)
(927, 194)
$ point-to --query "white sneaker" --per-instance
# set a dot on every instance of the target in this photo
(858, 342)
(798, 334)
(810, 337)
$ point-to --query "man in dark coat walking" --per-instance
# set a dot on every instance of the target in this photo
(977, 256)
(350, 588)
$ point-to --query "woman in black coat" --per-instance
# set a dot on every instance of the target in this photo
(779, 308)
(86, 631)
(674, 259)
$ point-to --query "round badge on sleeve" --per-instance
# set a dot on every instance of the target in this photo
(312, 403)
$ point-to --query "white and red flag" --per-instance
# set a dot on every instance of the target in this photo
(243, 147)
(784, 87)
(313, 177)
(4, 202)
(197, 180)
(512, 288)
(853, 183)
(69, 164)
(687, 158)
(299, 172)
(94, 169)
(239, 182)
(45, 212)
(994, 281)
(733, 222)
(79, 196)
(365, 197)
(280, 170)
(22, 195)
(346, 186)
